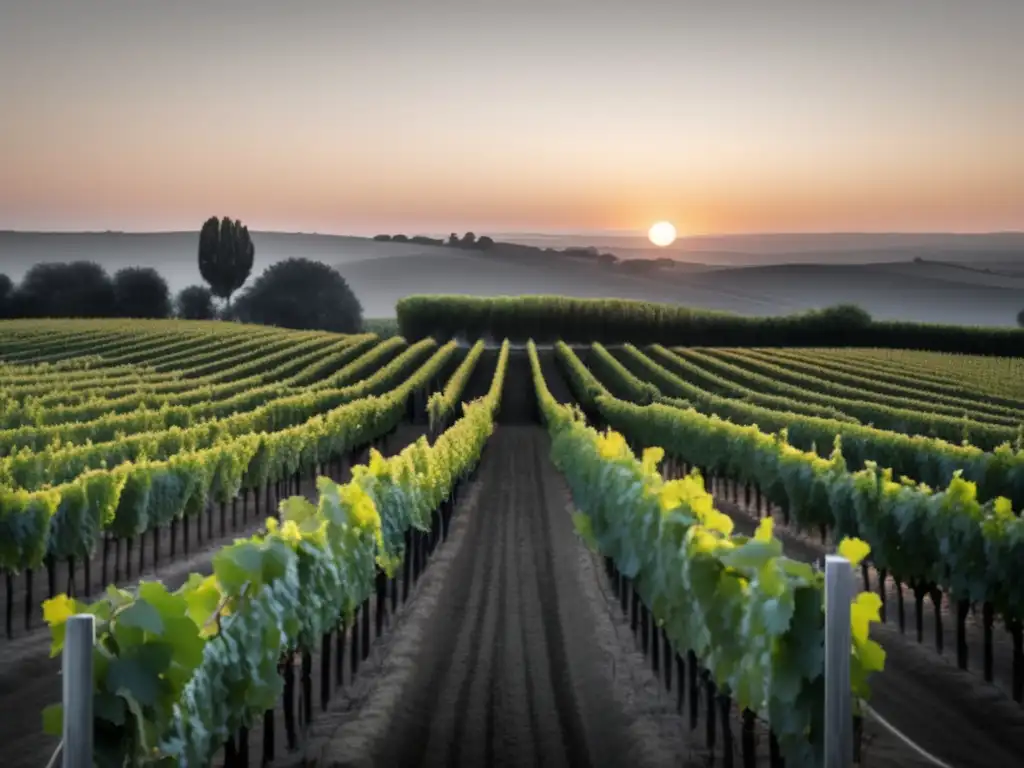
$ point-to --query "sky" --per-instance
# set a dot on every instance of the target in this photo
(513, 115)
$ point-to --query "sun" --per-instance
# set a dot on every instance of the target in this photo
(662, 234)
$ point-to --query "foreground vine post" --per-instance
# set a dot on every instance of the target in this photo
(838, 638)
(78, 690)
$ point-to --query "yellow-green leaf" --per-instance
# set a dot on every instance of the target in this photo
(872, 656)
(854, 550)
(58, 610)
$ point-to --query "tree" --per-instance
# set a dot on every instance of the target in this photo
(78, 289)
(6, 294)
(1020, 318)
(468, 240)
(840, 316)
(141, 292)
(225, 255)
(195, 303)
(303, 294)
(424, 240)
(485, 242)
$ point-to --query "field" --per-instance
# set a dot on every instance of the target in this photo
(378, 551)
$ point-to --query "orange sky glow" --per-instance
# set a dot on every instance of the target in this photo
(895, 117)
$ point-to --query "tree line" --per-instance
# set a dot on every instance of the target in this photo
(85, 289)
(294, 293)
(468, 240)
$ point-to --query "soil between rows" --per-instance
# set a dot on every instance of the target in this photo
(510, 657)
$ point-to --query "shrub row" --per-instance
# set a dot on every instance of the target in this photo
(549, 318)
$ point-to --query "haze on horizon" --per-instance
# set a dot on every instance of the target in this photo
(351, 117)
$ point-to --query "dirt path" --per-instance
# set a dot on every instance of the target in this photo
(513, 658)
(518, 401)
(30, 680)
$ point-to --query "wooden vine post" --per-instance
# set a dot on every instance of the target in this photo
(78, 689)
(838, 639)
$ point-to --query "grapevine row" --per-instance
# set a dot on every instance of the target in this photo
(278, 593)
(982, 381)
(905, 420)
(31, 470)
(933, 540)
(89, 399)
(115, 347)
(754, 616)
(996, 375)
(105, 428)
(136, 348)
(812, 371)
(442, 406)
(705, 389)
(865, 405)
(929, 460)
(66, 521)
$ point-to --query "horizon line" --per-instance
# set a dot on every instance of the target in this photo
(528, 233)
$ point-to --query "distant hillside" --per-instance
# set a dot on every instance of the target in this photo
(980, 286)
(847, 248)
(916, 292)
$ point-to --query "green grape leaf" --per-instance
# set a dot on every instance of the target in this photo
(796, 569)
(777, 615)
(167, 604)
(238, 565)
(141, 615)
(201, 598)
(184, 638)
(752, 555)
(276, 558)
(118, 597)
(107, 706)
(131, 678)
(297, 509)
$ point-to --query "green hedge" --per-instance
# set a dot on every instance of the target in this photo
(550, 318)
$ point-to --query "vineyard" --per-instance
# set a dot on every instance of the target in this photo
(380, 550)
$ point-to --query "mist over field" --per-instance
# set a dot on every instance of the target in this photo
(963, 279)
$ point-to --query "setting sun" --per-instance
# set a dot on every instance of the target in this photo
(662, 234)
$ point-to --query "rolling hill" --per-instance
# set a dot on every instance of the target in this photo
(972, 280)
